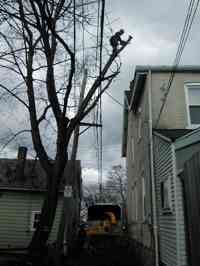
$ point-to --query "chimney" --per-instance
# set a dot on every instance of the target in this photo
(21, 160)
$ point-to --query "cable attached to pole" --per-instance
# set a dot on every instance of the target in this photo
(191, 12)
(100, 89)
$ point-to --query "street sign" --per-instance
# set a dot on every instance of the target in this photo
(68, 192)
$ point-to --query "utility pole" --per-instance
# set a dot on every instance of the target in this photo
(74, 219)
(77, 129)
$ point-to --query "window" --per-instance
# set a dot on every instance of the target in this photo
(166, 201)
(193, 104)
(35, 218)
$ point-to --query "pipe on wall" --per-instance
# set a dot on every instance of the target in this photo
(153, 187)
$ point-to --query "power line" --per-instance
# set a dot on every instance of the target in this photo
(74, 37)
(115, 100)
(83, 33)
(97, 42)
(96, 114)
(191, 12)
(100, 89)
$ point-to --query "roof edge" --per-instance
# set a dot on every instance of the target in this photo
(167, 68)
(162, 136)
(188, 139)
(137, 87)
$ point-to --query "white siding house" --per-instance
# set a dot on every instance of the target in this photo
(170, 208)
(156, 224)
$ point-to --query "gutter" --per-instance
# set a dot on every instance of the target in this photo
(153, 187)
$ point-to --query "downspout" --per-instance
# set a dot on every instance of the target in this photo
(153, 187)
(178, 241)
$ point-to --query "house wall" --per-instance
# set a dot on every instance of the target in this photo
(172, 241)
(138, 165)
(15, 217)
(174, 114)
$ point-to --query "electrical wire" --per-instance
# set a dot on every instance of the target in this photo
(115, 100)
(83, 33)
(74, 48)
(191, 12)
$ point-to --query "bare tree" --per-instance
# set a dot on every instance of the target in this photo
(116, 184)
(36, 45)
(114, 188)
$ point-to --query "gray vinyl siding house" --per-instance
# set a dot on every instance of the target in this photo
(16, 209)
(171, 224)
(169, 159)
(153, 161)
(22, 190)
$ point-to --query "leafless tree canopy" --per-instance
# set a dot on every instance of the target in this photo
(114, 188)
(37, 50)
(37, 66)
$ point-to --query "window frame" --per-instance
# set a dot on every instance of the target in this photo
(187, 86)
(32, 221)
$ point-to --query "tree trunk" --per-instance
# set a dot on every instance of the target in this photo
(38, 243)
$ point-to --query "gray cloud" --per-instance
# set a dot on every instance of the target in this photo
(156, 26)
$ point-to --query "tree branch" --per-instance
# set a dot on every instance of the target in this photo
(42, 117)
(15, 96)
(13, 54)
(13, 137)
(37, 142)
(98, 80)
(72, 68)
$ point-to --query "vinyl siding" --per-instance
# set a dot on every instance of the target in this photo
(171, 225)
(163, 163)
(174, 114)
(15, 217)
(138, 167)
(181, 223)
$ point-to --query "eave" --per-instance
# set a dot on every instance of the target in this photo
(137, 88)
(127, 96)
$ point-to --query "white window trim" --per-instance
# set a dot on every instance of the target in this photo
(186, 86)
(32, 220)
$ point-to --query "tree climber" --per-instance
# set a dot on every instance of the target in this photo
(116, 40)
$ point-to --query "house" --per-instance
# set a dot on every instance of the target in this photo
(157, 232)
(176, 169)
(22, 188)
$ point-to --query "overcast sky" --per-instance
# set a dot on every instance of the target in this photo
(155, 26)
